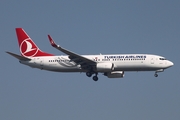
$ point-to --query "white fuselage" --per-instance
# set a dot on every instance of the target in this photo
(122, 62)
(112, 65)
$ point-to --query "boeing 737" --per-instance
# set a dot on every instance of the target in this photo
(110, 65)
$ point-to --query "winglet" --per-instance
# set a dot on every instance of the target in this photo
(72, 55)
(52, 41)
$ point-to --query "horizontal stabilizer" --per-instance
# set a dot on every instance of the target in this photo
(19, 57)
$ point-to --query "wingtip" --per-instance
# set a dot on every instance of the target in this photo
(52, 41)
(7, 52)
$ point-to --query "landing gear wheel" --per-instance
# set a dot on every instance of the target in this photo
(95, 78)
(89, 74)
(155, 75)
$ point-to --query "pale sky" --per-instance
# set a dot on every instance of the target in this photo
(91, 27)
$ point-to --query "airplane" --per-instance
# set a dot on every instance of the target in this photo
(110, 65)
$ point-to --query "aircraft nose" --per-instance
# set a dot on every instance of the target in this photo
(170, 63)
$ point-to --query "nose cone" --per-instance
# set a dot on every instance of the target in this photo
(170, 64)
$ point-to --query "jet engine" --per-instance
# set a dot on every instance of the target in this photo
(104, 67)
(115, 74)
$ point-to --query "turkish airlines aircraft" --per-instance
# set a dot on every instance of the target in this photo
(112, 65)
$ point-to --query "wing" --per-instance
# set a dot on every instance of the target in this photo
(19, 57)
(78, 59)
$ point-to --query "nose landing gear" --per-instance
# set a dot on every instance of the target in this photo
(156, 75)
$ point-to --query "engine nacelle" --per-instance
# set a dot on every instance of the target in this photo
(115, 74)
(104, 67)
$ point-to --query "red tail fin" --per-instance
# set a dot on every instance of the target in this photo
(27, 47)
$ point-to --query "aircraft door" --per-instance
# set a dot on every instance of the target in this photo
(39, 62)
(152, 61)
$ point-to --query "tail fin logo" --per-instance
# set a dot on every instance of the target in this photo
(28, 48)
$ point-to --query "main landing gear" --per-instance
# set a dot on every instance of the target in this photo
(95, 77)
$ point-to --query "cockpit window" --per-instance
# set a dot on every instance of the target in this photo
(162, 58)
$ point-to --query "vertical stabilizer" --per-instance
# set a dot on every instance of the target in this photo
(26, 45)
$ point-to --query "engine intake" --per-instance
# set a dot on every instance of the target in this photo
(104, 67)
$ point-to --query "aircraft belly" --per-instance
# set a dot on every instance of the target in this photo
(59, 68)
